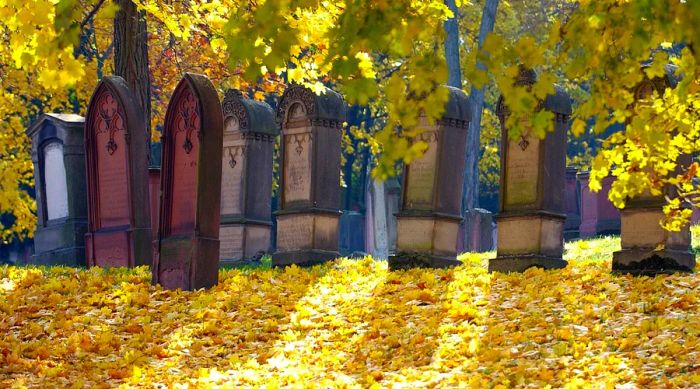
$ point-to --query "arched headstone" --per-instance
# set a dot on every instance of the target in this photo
(116, 152)
(246, 181)
(188, 232)
(429, 217)
(307, 222)
(532, 208)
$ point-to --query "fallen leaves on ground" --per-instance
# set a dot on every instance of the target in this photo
(353, 324)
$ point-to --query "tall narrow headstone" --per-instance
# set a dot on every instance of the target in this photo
(532, 208)
(188, 232)
(598, 214)
(154, 185)
(58, 154)
(573, 205)
(308, 218)
(647, 248)
(429, 219)
(246, 182)
(116, 158)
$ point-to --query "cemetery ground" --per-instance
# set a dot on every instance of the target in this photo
(352, 323)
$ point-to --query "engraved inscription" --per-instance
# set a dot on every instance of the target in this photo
(233, 165)
(295, 232)
(522, 171)
(422, 174)
(297, 167)
(231, 242)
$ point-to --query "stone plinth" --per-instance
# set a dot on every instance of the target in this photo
(188, 231)
(246, 183)
(308, 218)
(532, 199)
(429, 218)
(116, 144)
(598, 214)
(58, 155)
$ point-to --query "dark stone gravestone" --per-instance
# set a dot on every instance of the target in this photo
(352, 232)
(532, 207)
(429, 219)
(478, 229)
(598, 214)
(647, 248)
(246, 181)
(116, 155)
(188, 231)
(572, 201)
(393, 205)
(58, 154)
(308, 218)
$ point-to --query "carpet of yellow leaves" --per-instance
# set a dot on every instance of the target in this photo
(353, 324)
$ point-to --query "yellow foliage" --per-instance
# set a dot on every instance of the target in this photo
(352, 324)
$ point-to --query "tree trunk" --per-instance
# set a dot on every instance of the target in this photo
(476, 101)
(452, 47)
(131, 54)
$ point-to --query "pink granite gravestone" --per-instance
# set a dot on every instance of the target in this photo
(598, 214)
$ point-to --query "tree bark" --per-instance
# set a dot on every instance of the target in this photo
(476, 101)
(131, 54)
(454, 77)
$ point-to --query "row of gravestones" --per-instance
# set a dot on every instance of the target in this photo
(216, 175)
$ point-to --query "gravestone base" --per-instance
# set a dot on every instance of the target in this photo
(181, 263)
(60, 244)
(70, 256)
(529, 239)
(408, 260)
(244, 242)
(522, 262)
(107, 248)
(303, 258)
(645, 261)
(572, 227)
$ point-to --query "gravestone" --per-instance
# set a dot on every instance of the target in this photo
(352, 232)
(647, 248)
(188, 231)
(429, 219)
(532, 207)
(598, 214)
(478, 229)
(308, 218)
(573, 203)
(246, 179)
(116, 157)
(58, 155)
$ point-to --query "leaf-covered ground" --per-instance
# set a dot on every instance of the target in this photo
(354, 324)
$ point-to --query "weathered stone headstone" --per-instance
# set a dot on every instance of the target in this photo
(428, 222)
(392, 195)
(188, 232)
(532, 208)
(58, 154)
(116, 157)
(598, 214)
(307, 221)
(647, 248)
(246, 182)
(573, 205)
(352, 231)
(154, 186)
